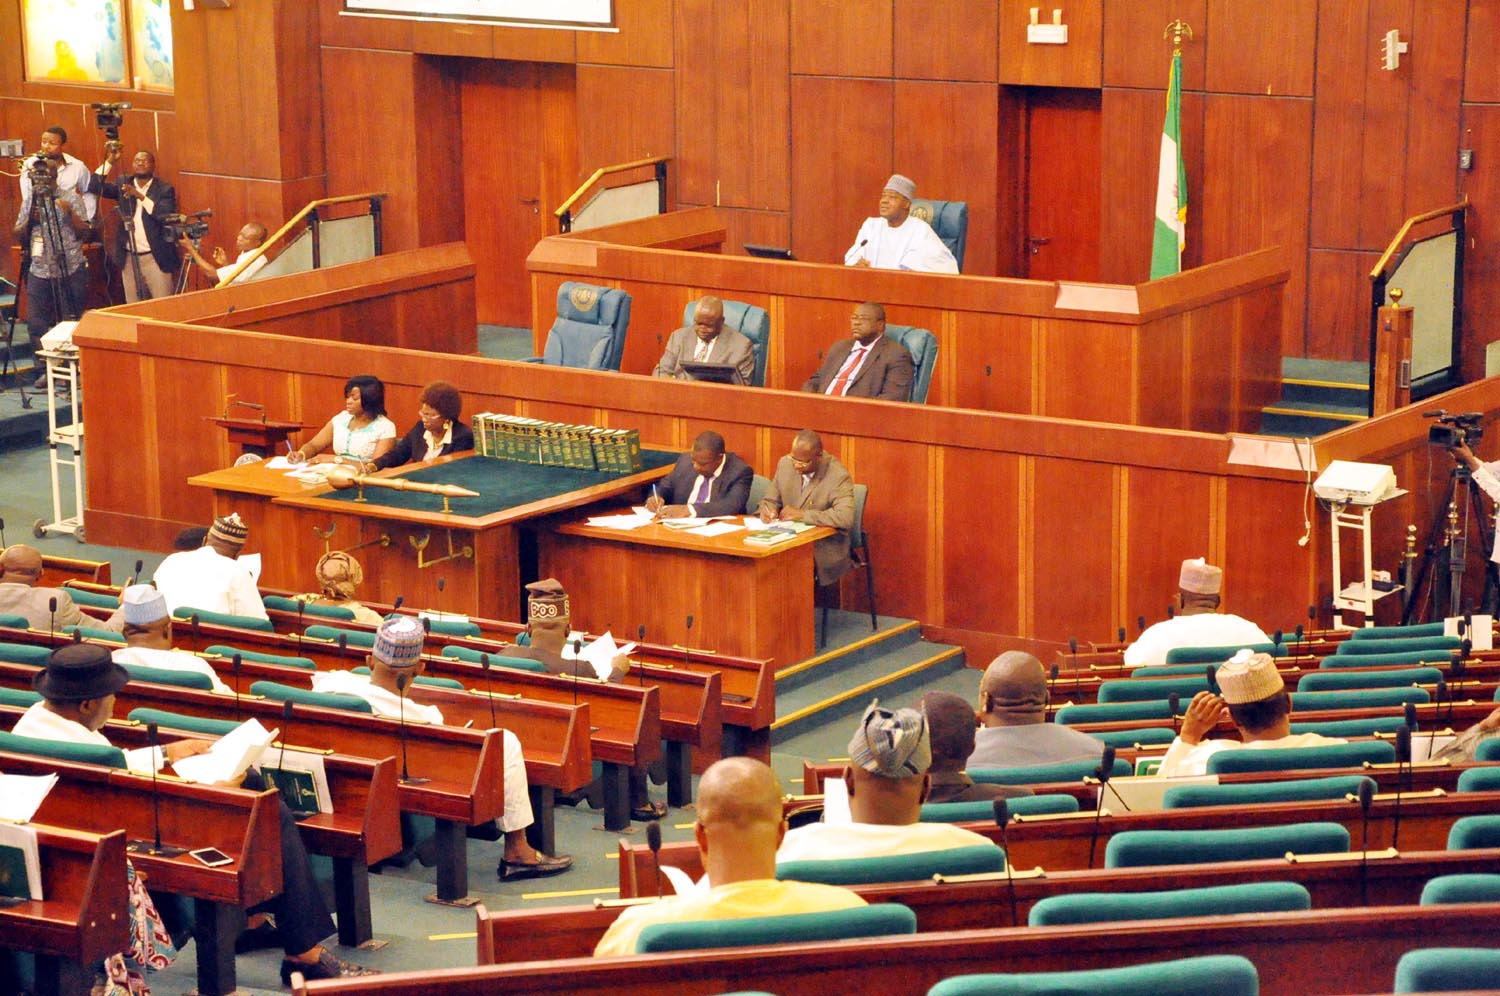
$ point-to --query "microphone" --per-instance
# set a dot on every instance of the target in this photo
(193, 622)
(1073, 650)
(577, 645)
(653, 841)
(1456, 670)
(1299, 639)
(301, 608)
(403, 679)
(1051, 679)
(1171, 612)
(2, 531)
(1366, 797)
(687, 642)
(484, 663)
(52, 618)
(1174, 702)
(1275, 643)
(1409, 713)
(234, 662)
(1106, 765)
(1122, 634)
(343, 643)
(154, 847)
(136, 576)
(1403, 759)
(1211, 673)
(396, 605)
(1002, 820)
(1140, 623)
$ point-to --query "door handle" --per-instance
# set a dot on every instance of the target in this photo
(1035, 243)
(535, 203)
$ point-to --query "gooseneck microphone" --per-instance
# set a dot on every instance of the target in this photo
(653, 841)
(1002, 820)
(286, 729)
(1121, 634)
(1106, 766)
(154, 847)
(1051, 679)
(1140, 623)
(52, 618)
(1366, 797)
(1403, 775)
(234, 664)
(573, 669)
(134, 578)
(1171, 612)
(489, 688)
(687, 642)
(1299, 639)
(301, 608)
(1174, 702)
(640, 640)
(402, 681)
(1072, 661)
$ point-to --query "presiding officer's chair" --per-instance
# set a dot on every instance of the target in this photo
(589, 332)
(751, 321)
(923, 346)
(950, 220)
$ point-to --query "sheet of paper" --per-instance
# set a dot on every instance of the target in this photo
(682, 883)
(230, 756)
(279, 463)
(251, 563)
(622, 522)
(438, 616)
(686, 522)
(1423, 746)
(836, 801)
(21, 795)
(18, 847)
(716, 529)
(601, 654)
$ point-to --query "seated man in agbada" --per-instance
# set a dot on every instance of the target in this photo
(212, 578)
(1198, 622)
(951, 726)
(738, 828)
(707, 340)
(148, 637)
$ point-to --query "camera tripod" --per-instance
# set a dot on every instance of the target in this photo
(49, 243)
(1445, 555)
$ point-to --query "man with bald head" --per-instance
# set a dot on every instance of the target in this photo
(812, 486)
(738, 829)
(20, 573)
(1014, 732)
(707, 340)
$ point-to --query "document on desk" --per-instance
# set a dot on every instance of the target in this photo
(22, 795)
(600, 654)
(622, 521)
(716, 528)
(229, 757)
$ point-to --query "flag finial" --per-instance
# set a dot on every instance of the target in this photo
(1177, 29)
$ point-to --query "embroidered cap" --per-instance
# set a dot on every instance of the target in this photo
(901, 185)
(891, 743)
(1200, 577)
(338, 573)
(1248, 677)
(398, 641)
(229, 529)
(142, 605)
(546, 600)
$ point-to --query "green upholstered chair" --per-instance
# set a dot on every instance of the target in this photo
(178, 721)
(1144, 736)
(1485, 779)
(323, 610)
(95, 633)
(876, 920)
(223, 619)
(1256, 793)
(859, 552)
(10, 621)
(1453, 970)
(1113, 712)
(1336, 681)
(1068, 771)
(1488, 750)
(167, 676)
(897, 868)
(1357, 647)
(1351, 727)
(1469, 833)
(1221, 975)
(589, 331)
(428, 680)
(1223, 900)
(1137, 690)
(1350, 755)
(974, 812)
(923, 346)
(452, 627)
(949, 221)
(19, 697)
(496, 660)
(1415, 630)
(23, 653)
(1218, 655)
(1167, 670)
(110, 757)
(304, 696)
(759, 488)
(1335, 661)
(1446, 890)
(1358, 698)
(93, 599)
(228, 652)
(751, 321)
(330, 634)
(1137, 848)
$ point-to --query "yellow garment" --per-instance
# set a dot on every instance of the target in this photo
(756, 897)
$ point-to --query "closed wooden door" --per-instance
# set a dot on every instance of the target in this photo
(1061, 241)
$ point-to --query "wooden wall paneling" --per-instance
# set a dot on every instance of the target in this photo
(1136, 54)
(1258, 152)
(983, 512)
(837, 38)
(1211, 361)
(697, 111)
(1481, 69)
(1481, 132)
(958, 168)
(1264, 48)
(1063, 185)
(946, 40)
(812, 325)
(362, 32)
(1338, 303)
(231, 112)
(1164, 524)
(556, 411)
(196, 389)
(1073, 548)
(1386, 98)
(299, 102)
(899, 520)
(992, 362)
(1167, 362)
(536, 45)
(1345, 62)
(655, 313)
(624, 114)
(475, 40)
(1258, 325)
(236, 200)
(657, 429)
(1433, 112)
(1267, 576)
(438, 115)
(753, 101)
(1069, 356)
(379, 143)
(274, 389)
(643, 38)
(1076, 64)
(1010, 184)
(741, 225)
(842, 133)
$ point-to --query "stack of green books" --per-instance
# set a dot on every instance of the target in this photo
(557, 444)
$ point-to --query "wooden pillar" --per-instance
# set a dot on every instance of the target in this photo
(1392, 375)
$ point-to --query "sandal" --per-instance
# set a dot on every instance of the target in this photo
(649, 811)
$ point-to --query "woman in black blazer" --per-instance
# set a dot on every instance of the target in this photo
(438, 431)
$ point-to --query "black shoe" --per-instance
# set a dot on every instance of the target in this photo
(648, 811)
(328, 966)
(543, 866)
(258, 938)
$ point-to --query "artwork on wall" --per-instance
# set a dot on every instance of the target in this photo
(151, 43)
(115, 43)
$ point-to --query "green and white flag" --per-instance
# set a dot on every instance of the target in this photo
(1171, 185)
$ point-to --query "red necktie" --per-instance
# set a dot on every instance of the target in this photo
(841, 382)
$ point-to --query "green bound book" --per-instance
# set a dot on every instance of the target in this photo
(298, 789)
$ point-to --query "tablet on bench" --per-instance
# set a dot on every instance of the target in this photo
(768, 252)
(717, 373)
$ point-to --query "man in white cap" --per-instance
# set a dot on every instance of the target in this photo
(1253, 696)
(897, 241)
(395, 663)
(887, 782)
(1198, 622)
(211, 578)
(148, 637)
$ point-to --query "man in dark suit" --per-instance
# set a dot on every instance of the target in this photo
(867, 364)
(142, 249)
(706, 481)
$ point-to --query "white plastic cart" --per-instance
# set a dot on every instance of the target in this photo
(62, 374)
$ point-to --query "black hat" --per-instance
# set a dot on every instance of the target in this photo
(80, 671)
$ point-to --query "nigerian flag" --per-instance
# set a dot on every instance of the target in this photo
(1171, 184)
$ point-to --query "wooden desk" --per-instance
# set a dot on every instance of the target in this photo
(743, 600)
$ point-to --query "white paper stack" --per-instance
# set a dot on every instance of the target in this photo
(22, 795)
(231, 755)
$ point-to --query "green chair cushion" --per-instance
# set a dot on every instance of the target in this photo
(1350, 755)
(897, 868)
(1255, 793)
(331, 634)
(1357, 647)
(1096, 907)
(227, 652)
(1136, 848)
(1351, 727)
(1144, 735)
(10, 621)
(496, 660)
(167, 676)
(974, 812)
(1358, 698)
(1471, 832)
(1415, 630)
(424, 680)
(23, 653)
(306, 696)
(1166, 670)
(110, 757)
(1068, 771)
(178, 721)
(452, 627)
(1221, 975)
(323, 610)
(1480, 780)
(223, 619)
(1436, 970)
(95, 633)
(1113, 711)
(1448, 889)
(1147, 690)
(93, 599)
(1218, 655)
(876, 920)
(19, 697)
(1336, 661)
(1335, 681)
(1488, 749)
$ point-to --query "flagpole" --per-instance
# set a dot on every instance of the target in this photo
(1169, 229)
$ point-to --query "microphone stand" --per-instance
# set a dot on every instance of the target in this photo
(1106, 767)
(402, 680)
(489, 688)
(234, 662)
(52, 620)
(1174, 702)
(1366, 796)
(1403, 760)
(155, 848)
(653, 841)
(1002, 820)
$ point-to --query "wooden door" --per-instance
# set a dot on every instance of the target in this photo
(520, 157)
(1062, 185)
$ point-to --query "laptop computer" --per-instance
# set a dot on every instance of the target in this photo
(768, 252)
(715, 373)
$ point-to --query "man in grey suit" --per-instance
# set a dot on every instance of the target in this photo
(811, 486)
(707, 340)
(20, 570)
(867, 364)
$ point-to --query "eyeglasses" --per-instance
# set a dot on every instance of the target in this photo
(427, 414)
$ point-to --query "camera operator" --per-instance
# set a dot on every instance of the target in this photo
(246, 242)
(1483, 473)
(143, 250)
(72, 174)
(50, 228)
